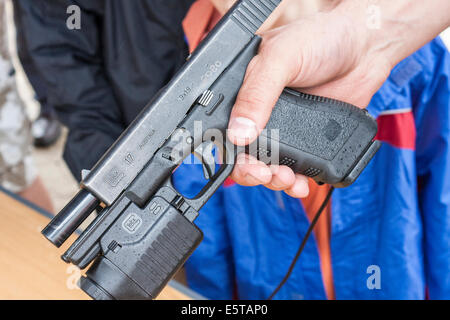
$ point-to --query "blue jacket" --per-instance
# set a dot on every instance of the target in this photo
(396, 216)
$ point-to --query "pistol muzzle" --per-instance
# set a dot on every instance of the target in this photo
(70, 218)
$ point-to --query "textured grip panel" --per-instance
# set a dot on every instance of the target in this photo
(322, 138)
(251, 14)
(312, 129)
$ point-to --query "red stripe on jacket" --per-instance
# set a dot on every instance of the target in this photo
(397, 129)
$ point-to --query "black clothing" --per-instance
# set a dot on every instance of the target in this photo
(100, 76)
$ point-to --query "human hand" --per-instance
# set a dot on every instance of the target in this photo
(331, 54)
(327, 58)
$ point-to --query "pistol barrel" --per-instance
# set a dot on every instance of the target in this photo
(70, 218)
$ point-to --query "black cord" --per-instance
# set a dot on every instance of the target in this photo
(302, 245)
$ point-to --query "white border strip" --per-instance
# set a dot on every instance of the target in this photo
(395, 111)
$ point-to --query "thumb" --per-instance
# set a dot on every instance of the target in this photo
(264, 81)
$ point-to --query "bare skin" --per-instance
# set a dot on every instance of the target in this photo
(335, 53)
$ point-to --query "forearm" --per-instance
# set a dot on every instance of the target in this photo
(397, 28)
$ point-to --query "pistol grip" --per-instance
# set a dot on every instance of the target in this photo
(325, 139)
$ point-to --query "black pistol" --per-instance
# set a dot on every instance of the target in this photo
(145, 231)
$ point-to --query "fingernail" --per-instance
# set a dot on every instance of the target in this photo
(242, 130)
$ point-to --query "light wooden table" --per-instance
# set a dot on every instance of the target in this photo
(30, 266)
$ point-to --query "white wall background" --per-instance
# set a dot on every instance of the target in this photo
(446, 37)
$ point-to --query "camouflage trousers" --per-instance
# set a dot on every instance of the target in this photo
(17, 170)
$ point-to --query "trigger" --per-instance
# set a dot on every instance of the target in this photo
(204, 153)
